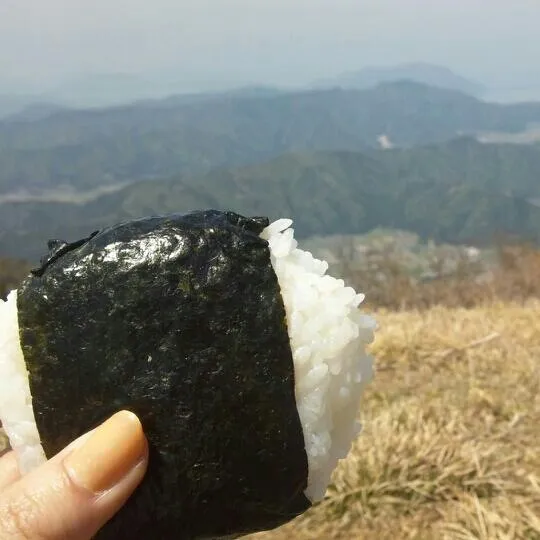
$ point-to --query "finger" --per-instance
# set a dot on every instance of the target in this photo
(9, 464)
(9, 470)
(75, 493)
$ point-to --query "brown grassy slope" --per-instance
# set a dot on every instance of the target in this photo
(451, 440)
(12, 272)
(514, 278)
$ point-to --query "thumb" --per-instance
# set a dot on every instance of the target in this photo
(76, 492)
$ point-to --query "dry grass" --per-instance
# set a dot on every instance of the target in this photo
(451, 441)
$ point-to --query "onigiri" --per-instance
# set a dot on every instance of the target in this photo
(243, 358)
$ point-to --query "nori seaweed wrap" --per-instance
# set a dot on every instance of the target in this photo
(179, 319)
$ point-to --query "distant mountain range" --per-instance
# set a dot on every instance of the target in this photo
(12, 104)
(85, 150)
(33, 112)
(98, 90)
(460, 191)
(15, 108)
(114, 89)
(424, 73)
(315, 155)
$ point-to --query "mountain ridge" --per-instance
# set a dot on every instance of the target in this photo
(89, 149)
(420, 72)
(332, 192)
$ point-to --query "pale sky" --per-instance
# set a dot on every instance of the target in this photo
(265, 41)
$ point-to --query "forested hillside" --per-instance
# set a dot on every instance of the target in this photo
(461, 191)
(91, 148)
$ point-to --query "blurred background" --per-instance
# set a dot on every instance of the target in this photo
(402, 136)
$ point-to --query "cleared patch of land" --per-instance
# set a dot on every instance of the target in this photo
(62, 195)
(528, 136)
(451, 429)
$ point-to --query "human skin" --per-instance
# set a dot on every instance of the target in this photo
(76, 492)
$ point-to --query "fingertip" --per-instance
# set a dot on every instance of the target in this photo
(77, 491)
(113, 450)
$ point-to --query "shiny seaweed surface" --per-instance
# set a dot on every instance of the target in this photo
(180, 319)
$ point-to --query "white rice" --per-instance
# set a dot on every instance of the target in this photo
(16, 411)
(328, 335)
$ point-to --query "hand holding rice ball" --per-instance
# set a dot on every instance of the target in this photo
(75, 493)
(244, 361)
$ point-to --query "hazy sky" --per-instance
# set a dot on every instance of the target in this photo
(273, 41)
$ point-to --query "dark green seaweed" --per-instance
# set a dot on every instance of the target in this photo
(180, 319)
